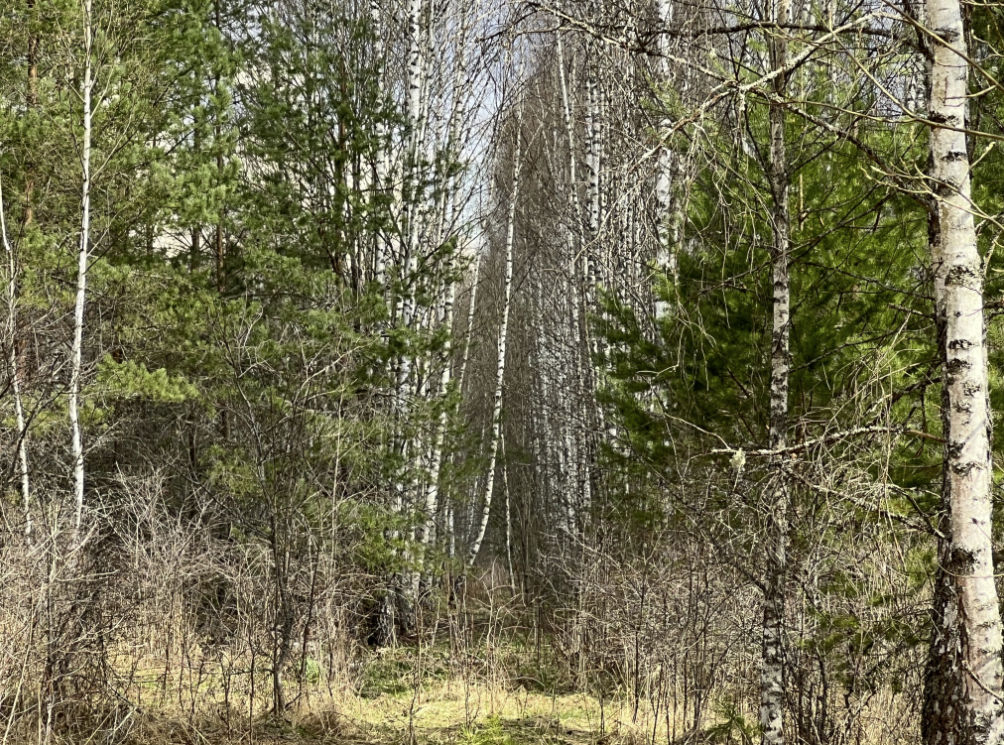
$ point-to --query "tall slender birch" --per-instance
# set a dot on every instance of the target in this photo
(502, 340)
(83, 256)
(508, 517)
(449, 210)
(667, 223)
(15, 378)
(772, 672)
(31, 101)
(578, 331)
(566, 112)
(415, 107)
(593, 164)
(963, 682)
(381, 167)
(407, 380)
(436, 452)
(471, 305)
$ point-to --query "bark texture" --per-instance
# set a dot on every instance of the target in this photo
(31, 101)
(13, 371)
(83, 257)
(963, 683)
(772, 672)
(666, 222)
(502, 342)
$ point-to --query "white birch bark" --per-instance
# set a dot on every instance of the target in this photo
(471, 305)
(772, 671)
(963, 685)
(566, 110)
(22, 432)
(436, 456)
(83, 257)
(577, 488)
(593, 194)
(408, 377)
(414, 106)
(449, 210)
(595, 259)
(502, 341)
(666, 259)
(508, 517)
(382, 166)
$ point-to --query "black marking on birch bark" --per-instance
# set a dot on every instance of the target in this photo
(945, 189)
(962, 560)
(957, 365)
(964, 469)
(954, 156)
(959, 273)
(950, 34)
(960, 344)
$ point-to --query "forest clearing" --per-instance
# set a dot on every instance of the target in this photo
(498, 372)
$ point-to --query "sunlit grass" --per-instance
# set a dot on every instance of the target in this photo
(419, 696)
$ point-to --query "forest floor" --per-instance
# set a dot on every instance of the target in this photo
(397, 702)
(474, 715)
(449, 714)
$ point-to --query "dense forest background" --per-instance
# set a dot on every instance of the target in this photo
(552, 372)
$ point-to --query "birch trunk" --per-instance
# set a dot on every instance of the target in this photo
(450, 207)
(415, 106)
(83, 257)
(382, 167)
(436, 455)
(503, 338)
(31, 101)
(772, 671)
(577, 489)
(22, 433)
(472, 304)
(595, 257)
(963, 681)
(408, 377)
(218, 130)
(566, 110)
(593, 198)
(508, 517)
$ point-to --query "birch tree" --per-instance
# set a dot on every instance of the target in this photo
(963, 687)
(12, 369)
(664, 183)
(503, 338)
(83, 259)
(772, 681)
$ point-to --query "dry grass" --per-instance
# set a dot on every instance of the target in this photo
(445, 708)
(168, 641)
(451, 711)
